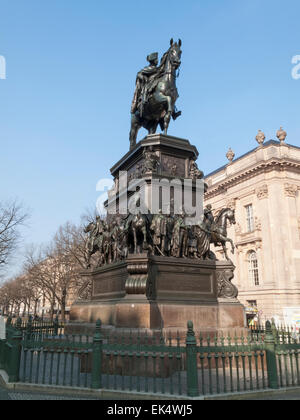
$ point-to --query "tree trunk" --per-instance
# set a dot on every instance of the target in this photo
(63, 305)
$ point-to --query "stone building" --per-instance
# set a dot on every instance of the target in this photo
(263, 187)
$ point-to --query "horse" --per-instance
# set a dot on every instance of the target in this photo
(202, 236)
(219, 230)
(162, 95)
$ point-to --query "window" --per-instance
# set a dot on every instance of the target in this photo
(252, 303)
(250, 218)
(253, 268)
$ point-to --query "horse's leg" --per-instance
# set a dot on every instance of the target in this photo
(225, 250)
(232, 245)
(134, 240)
(153, 128)
(167, 119)
(161, 98)
(224, 239)
(145, 238)
(135, 126)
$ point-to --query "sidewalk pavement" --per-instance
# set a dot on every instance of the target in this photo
(9, 395)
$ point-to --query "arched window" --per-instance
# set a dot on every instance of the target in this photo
(253, 268)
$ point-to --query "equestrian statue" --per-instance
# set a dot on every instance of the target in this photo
(156, 93)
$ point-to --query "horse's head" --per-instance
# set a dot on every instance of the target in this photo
(231, 216)
(175, 53)
(89, 227)
(223, 216)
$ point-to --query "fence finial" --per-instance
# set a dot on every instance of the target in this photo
(190, 327)
(268, 326)
(97, 334)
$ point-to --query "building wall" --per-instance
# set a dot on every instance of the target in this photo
(268, 179)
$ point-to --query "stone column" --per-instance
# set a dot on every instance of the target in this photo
(264, 207)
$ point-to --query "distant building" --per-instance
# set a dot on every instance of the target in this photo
(263, 187)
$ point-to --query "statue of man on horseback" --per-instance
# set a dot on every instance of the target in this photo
(94, 240)
(156, 93)
(143, 80)
(216, 228)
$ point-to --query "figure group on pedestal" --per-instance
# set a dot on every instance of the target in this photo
(160, 235)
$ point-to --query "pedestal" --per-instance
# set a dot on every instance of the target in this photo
(160, 293)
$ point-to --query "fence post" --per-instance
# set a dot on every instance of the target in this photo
(19, 324)
(15, 356)
(191, 362)
(271, 357)
(97, 358)
(29, 329)
(56, 326)
(8, 326)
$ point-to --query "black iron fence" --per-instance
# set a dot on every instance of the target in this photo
(154, 364)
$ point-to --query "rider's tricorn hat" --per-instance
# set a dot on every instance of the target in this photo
(152, 57)
(208, 209)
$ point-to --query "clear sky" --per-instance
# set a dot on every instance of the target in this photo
(71, 68)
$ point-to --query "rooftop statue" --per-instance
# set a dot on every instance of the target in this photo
(156, 93)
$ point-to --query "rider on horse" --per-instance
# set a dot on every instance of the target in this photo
(143, 79)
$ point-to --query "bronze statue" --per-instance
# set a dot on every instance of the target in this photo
(94, 240)
(138, 228)
(195, 172)
(219, 230)
(158, 229)
(164, 235)
(142, 82)
(156, 94)
(151, 161)
(179, 242)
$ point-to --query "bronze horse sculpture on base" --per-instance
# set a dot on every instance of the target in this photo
(215, 234)
(138, 226)
(159, 106)
(219, 231)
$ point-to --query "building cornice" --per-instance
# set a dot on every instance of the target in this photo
(277, 164)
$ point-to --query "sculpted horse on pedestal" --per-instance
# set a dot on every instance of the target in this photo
(157, 105)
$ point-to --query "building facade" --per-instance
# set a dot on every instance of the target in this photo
(263, 186)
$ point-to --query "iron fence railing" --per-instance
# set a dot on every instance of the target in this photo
(158, 364)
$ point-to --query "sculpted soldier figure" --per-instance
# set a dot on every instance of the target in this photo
(151, 161)
(159, 232)
(114, 234)
(106, 247)
(209, 220)
(170, 226)
(195, 172)
(179, 243)
(143, 80)
(95, 230)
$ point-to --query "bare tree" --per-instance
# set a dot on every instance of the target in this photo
(12, 217)
(56, 270)
(39, 269)
(70, 241)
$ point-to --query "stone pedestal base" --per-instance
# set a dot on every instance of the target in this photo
(156, 317)
(160, 294)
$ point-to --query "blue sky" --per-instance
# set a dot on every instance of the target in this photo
(71, 68)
